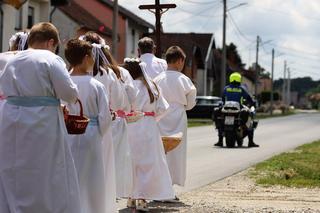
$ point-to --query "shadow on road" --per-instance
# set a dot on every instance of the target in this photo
(157, 207)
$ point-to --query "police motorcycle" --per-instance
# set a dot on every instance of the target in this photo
(234, 120)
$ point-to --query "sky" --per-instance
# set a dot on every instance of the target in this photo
(291, 27)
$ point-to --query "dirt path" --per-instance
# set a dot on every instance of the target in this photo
(239, 193)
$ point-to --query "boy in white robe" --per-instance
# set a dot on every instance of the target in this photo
(151, 174)
(87, 149)
(180, 93)
(155, 65)
(37, 172)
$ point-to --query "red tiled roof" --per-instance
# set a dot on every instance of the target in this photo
(84, 18)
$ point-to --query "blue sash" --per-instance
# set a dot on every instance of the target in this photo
(94, 121)
(33, 101)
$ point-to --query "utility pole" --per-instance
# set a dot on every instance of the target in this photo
(284, 83)
(115, 29)
(158, 11)
(289, 88)
(271, 94)
(224, 50)
(257, 69)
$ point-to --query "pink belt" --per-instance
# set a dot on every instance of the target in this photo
(152, 114)
(121, 114)
(149, 114)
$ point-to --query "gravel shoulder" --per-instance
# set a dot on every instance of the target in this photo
(239, 193)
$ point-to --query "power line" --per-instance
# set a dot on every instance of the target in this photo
(182, 20)
(237, 28)
(199, 14)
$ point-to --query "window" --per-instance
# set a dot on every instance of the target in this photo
(30, 17)
(18, 24)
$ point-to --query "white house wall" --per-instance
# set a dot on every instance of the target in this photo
(41, 14)
(9, 22)
(132, 40)
(67, 28)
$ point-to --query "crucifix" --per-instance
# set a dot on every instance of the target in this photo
(157, 9)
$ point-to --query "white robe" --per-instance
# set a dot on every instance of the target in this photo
(112, 85)
(87, 149)
(123, 159)
(4, 59)
(180, 93)
(155, 65)
(37, 172)
(151, 174)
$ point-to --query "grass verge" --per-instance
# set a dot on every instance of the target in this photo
(194, 122)
(297, 168)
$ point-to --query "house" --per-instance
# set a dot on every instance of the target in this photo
(264, 84)
(199, 62)
(80, 16)
(13, 20)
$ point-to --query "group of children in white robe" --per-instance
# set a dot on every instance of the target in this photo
(113, 158)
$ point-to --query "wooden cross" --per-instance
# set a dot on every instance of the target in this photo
(158, 11)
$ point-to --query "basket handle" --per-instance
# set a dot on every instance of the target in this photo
(81, 108)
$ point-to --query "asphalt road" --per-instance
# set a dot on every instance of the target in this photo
(206, 164)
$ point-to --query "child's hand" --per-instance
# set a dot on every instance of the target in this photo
(65, 111)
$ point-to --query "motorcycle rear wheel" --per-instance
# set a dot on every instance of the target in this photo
(230, 139)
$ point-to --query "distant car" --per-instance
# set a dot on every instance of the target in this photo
(204, 107)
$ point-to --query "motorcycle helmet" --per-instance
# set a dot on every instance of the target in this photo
(235, 77)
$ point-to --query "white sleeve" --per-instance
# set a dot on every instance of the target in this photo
(161, 107)
(191, 98)
(117, 91)
(104, 115)
(63, 86)
(131, 89)
(190, 92)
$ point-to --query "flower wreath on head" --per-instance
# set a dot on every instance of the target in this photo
(128, 60)
(23, 40)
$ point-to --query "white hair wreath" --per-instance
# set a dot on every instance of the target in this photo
(23, 40)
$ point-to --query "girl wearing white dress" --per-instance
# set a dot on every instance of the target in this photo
(122, 94)
(87, 149)
(151, 180)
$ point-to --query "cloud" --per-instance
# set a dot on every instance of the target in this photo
(291, 25)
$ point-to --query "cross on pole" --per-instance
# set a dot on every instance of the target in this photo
(158, 11)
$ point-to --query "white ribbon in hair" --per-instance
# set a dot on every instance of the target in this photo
(148, 80)
(102, 42)
(23, 40)
(97, 52)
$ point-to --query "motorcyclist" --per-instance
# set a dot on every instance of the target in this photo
(235, 92)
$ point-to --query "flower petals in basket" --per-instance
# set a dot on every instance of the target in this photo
(77, 124)
(134, 116)
(171, 142)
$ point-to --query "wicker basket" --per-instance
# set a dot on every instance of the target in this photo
(171, 142)
(77, 124)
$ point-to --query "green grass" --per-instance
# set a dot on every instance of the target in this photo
(298, 168)
(194, 122)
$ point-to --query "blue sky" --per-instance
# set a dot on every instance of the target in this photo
(291, 27)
